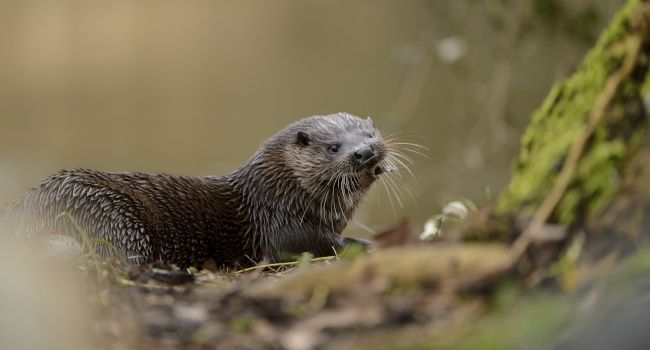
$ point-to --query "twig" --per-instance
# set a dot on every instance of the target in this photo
(288, 263)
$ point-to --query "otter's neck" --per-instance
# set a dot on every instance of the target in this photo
(282, 216)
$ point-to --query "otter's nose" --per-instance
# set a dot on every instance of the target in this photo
(364, 155)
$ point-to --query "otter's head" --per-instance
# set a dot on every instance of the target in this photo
(337, 153)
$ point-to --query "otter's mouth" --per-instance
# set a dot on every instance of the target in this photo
(372, 173)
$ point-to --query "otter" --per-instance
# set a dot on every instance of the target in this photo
(295, 194)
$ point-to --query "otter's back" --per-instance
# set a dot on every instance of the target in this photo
(183, 220)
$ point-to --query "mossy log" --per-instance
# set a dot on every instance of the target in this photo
(574, 153)
(458, 266)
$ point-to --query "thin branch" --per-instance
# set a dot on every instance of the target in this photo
(288, 263)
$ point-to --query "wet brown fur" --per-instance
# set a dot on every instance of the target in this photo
(288, 198)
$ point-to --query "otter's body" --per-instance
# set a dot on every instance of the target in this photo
(295, 194)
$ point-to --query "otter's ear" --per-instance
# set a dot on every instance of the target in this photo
(371, 122)
(302, 138)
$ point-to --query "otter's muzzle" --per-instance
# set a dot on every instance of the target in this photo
(365, 156)
(368, 162)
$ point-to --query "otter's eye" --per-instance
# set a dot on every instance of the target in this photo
(334, 148)
(372, 135)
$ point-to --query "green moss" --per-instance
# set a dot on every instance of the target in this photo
(561, 118)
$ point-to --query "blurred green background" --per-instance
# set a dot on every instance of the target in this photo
(194, 87)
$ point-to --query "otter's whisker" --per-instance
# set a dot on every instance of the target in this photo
(403, 165)
(348, 192)
(411, 144)
(402, 155)
(335, 200)
(396, 190)
(338, 199)
(319, 192)
(390, 198)
(344, 194)
(394, 136)
(332, 202)
(330, 193)
(323, 197)
(415, 151)
(393, 166)
(398, 135)
(408, 190)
